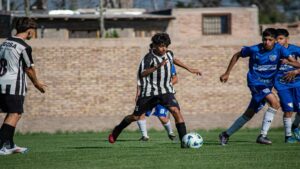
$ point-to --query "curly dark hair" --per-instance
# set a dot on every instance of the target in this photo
(283, 32)
(270, 32)
(161, 38)
(23, 24)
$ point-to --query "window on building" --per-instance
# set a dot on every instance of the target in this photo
(216, 24)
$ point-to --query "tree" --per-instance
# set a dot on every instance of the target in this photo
(269, 10)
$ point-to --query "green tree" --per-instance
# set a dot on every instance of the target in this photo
(269, 10)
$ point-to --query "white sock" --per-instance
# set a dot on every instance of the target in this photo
(297, 120)
(168, 127)
(267, 121)
(239, 123)
(287, 122)
(143, 127)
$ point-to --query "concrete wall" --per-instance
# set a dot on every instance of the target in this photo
(92, 83)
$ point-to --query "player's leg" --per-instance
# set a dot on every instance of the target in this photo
(142, 105)
(14, 106)
(269, 114)
(163, 115)
(251, 110)
(169, 101)
(287, 104)
(142, 124)
(295, 125)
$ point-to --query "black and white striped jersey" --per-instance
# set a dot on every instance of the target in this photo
(158, 82)
(15, 56)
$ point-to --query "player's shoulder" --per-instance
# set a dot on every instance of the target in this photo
(148, 55)
(170, 52)
(18, 41)
(293, 47)
(253, 48)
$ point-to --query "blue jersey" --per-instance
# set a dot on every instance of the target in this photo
(280, 83)
(173, 70)
(263, 63)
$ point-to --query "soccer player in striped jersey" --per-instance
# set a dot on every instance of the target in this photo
(263, 65)
(287, 84)
(15, 62)
(156, 87)
(159, 111)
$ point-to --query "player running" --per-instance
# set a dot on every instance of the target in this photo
(156, 87)
(287, 84)
(263, 64)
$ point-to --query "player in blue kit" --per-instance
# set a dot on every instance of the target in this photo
(159, 111)
(287, 84)
(263, 64)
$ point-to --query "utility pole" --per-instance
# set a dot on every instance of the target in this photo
(101, 19)
(26, 6)
(0, 5)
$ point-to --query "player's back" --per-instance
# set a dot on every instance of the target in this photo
(12, 77)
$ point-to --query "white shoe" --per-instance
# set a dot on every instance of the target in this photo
(4, 151)
(15, 149)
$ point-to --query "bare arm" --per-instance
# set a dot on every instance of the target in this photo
(291, 61)
(174, 80)
(180, 64)
(234, 59)
(148, 71)
(32, 76)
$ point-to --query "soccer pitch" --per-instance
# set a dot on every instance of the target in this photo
(92, 150)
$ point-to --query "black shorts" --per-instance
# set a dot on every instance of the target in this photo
(148, 103)
(11, 103)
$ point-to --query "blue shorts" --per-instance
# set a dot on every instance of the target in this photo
(258, 97)
(290, 99)
(160, 111)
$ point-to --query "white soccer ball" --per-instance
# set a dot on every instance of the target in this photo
(192, 140)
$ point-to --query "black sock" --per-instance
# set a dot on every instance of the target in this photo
(118, 129)
(293, 127)
(181, 129)
(7, 134)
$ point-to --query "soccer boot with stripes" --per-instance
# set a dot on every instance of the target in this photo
(263, 140)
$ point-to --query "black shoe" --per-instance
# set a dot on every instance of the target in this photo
(172, 136)
(224, 138)
(263, 140)
(144, 138)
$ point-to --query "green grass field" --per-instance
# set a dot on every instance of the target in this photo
(91, 150)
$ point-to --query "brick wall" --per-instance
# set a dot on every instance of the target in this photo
(92, 83)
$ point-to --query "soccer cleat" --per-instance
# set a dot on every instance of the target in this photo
(172, 136)
(4, 151)
(111, 139)
(17, 149)
(263, 140)
(290, 140)
(144, 138)
(7, 150)
(224, 138)
(296, 133)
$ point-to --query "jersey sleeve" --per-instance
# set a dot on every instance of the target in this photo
(246, 51)
(285, 53)
(173, 70)
(27, 57)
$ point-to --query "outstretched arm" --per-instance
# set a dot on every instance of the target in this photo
(32, 76)
(180, 64)
(234, 59)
